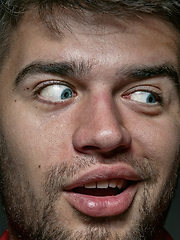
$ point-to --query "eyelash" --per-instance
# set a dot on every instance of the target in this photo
(127, 95)
(39, 87)
(157, 95)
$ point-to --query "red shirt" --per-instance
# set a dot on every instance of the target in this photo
(165, 236)
(5, 236)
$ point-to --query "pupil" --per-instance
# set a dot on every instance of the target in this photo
(67, 93)
(151, 99)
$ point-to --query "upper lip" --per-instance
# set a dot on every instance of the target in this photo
(103, 172)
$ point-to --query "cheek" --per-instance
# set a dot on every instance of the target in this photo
(157, 140)
(156, 144)
(39, 144)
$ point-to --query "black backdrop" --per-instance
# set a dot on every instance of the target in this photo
(172, 223)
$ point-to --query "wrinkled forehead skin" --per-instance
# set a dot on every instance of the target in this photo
(60, 24)
(56, 20)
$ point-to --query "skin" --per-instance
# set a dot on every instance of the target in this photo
(103, 124)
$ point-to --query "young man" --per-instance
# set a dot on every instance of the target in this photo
(90, 118)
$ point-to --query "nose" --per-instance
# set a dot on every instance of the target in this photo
(100, 127)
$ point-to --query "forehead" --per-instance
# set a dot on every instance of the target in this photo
(98, 40)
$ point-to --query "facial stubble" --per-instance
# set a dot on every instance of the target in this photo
(33, 216)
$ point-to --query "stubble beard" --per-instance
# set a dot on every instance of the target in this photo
(32, 217)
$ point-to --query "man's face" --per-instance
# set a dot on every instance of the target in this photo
(90, 128)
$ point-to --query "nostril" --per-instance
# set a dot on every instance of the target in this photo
(107, 154)
(86, 148)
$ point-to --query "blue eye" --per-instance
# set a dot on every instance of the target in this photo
(144, 97)
(56, 93)
(151, 98)
(67, 93)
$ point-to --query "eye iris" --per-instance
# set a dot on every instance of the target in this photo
(67, 93)
(151, 99)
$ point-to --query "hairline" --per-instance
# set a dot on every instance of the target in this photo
(52, 25)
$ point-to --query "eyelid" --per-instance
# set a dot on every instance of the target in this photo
(143, 88)
(146, 88)
(48, 83)
(42, 85)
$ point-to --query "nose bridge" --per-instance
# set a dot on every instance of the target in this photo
(104, 113)
(101, 126)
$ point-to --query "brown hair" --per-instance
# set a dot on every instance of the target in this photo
(11, 11)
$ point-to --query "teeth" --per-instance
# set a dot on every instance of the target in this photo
(102, 184)
(113, 183)
(120, 183)
(90, 185)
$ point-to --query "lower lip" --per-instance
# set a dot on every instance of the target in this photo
(102, 206)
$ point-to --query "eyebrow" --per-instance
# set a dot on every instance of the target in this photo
(146, 72)
(63, 69)
(73, 68)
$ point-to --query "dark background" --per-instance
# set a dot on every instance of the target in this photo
(172, 223)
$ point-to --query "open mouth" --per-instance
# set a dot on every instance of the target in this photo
(103, 190)
(103, 197)
(110, 187)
